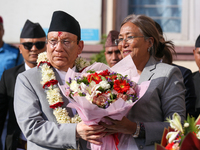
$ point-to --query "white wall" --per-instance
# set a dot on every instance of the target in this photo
(16, 12)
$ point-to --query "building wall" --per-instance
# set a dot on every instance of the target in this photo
(15, 13)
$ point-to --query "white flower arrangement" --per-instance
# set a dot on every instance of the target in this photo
(81, 63)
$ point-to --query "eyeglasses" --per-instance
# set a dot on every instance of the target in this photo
(129, 40)
(39, 45)
(65, 42)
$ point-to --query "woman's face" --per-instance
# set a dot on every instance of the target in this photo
(136, 47)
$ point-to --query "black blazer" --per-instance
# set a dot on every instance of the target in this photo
(7, 85)
(190, 96)
(196, 79)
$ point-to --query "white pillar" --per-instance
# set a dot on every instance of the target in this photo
(109, 16)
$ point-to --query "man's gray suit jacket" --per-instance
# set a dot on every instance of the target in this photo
(36, 118)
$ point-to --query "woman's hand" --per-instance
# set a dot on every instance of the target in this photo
(90, 133)
(119, 126)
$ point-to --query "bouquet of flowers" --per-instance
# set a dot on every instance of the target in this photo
(102, 88)
(181, 138)
(101, 91)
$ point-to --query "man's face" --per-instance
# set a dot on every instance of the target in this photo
(1, 32)
(29, 53)
(112, 55)
(196, 53)
(62, 49)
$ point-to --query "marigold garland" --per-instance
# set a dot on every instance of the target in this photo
(49, 83)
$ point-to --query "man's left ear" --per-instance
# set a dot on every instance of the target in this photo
(80, 47)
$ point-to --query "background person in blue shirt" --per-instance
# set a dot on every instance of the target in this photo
(9, 55)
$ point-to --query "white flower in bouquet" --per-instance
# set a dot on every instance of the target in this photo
(104, 84)
(75, 86)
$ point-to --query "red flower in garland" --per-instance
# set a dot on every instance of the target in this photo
(59, 104)
(121, 86)
(42, 62)
(51, 82)
(94, 77)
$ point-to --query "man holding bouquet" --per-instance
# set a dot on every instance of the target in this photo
(40, 107)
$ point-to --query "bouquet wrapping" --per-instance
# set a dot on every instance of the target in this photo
(111, 92)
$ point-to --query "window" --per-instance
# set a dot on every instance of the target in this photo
(170, 14)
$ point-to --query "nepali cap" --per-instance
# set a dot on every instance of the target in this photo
(32, 30)
(62, 21)
(110, 41)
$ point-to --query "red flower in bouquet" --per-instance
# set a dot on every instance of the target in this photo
(121, 86)
(94, 77)
(104, 73)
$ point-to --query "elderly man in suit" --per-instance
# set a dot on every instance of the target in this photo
(32, 42)
(41, 110)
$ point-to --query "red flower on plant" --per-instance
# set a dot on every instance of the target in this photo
(121, 86)
(94, 77)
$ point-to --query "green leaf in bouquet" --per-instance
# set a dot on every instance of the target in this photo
(103, 78)
(113, 96)
(82, 94)
(83, 80)
(101, 89)
(91, 71)
(190, 126)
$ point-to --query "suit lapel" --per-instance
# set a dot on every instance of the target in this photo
(22, 68)
(147, 72)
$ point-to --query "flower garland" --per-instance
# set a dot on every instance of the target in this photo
(49, 83)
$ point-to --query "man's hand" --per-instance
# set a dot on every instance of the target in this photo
(91, 133)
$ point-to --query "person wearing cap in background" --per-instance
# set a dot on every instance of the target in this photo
(45, 127)
(112, 52)
(9, 55)
(196, 75)
(32, 42)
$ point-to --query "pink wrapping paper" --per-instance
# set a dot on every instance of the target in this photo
(91, 114)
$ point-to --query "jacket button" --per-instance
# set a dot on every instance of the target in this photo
(140, 147)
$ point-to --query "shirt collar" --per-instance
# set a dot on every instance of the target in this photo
(63, 73)
(27, 67)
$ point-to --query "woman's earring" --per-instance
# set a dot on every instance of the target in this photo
(149, 49)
